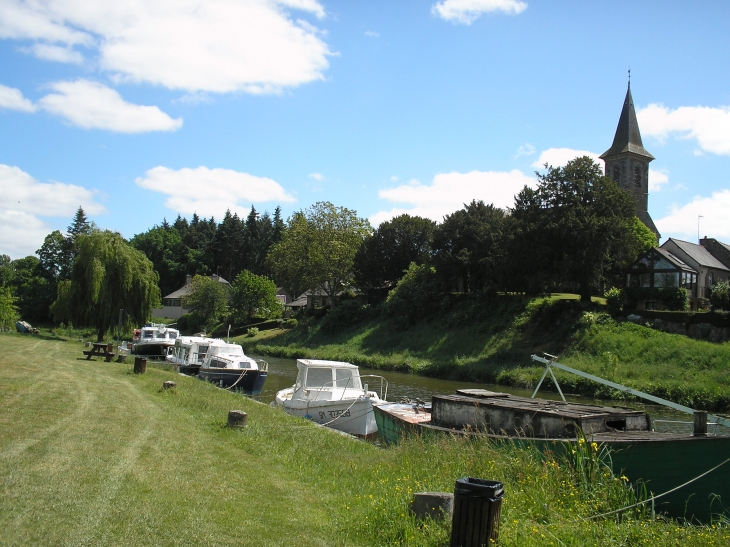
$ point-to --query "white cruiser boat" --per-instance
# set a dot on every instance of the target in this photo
(227, 366)
(331, 393)
(189, 353)
(154, 340)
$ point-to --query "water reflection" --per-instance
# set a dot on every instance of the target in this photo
(283, 373)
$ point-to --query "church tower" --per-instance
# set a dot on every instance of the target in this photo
(627, 161)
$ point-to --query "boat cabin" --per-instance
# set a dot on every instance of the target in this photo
(326, 380)
(502, 413)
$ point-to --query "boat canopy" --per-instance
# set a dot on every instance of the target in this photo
(327, 375)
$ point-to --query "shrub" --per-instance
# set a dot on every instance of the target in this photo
(252, 331)
(290, 324)
(614, 300)
(344, 316)
(416, 296)
(673, 298)
(720, 296)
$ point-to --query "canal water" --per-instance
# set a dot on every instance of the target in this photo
(283, 373)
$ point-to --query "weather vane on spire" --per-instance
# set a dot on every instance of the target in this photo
(629, 77)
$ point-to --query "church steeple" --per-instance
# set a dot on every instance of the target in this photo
(628, 136)
(627, 161)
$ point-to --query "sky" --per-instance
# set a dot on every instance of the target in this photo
(143, 110)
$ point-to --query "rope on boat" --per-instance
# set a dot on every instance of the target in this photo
(238, 380)
(659, 496)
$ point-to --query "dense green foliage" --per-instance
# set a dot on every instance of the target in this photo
(387, 253)
(415, 297)
(468, 247)
(673, 298)
(8, 309)
(574, 228)
(107, 276)
(207, 299)
(253, 294)
(720, 296)
(318, 248)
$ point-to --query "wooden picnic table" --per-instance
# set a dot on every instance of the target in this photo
(100, 349)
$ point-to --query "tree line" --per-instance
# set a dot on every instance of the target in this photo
(576, 230)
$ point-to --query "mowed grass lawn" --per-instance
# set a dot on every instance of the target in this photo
(92, 454)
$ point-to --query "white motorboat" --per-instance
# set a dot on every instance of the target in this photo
(227, 366)
(154, 340)
(189, 353)
(331, 393)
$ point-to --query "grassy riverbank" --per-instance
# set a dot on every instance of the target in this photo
(91, 454)
(491, 340)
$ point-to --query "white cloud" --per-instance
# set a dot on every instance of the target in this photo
(657, 179)
(681, 222)
(372, 34)
(21, 234)
(525, 150)
(191, 45)
(13, 99)
(55, 53)
(393, 178)
(450, 191)
(467, 11)
(92, 105)
(24, 200)
(558, 157)
(316, 176)
(210, 192)
(709, 126)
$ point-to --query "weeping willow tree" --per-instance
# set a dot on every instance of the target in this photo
(107, 275)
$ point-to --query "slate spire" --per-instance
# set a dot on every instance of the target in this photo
(628, 137)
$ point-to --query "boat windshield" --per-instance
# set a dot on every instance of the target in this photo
(319, 377)
(346, 378)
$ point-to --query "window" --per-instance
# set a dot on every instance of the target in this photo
(666, 279)
(319, 377)
(617, 174)
(345, 378)
(637, 176)
(651, 306)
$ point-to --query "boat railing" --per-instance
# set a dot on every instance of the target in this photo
(383, 392)
(263, 365)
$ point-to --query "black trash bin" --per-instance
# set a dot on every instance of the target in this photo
(477, 508)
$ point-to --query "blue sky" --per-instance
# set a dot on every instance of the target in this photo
(140, 110)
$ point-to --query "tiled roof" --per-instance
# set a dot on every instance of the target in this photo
(698, 253)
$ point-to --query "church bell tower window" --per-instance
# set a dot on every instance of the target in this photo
(617, 174)
(637, 176)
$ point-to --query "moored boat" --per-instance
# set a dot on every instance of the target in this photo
(331, 393)
(227, 366)
(699, 464)
(189, 353)
(154, 340)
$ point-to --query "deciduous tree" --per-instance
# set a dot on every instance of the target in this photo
(386, 254)
(107, 275)
(207, 298)
(254, 293)
(573, 228)
(319, 247)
